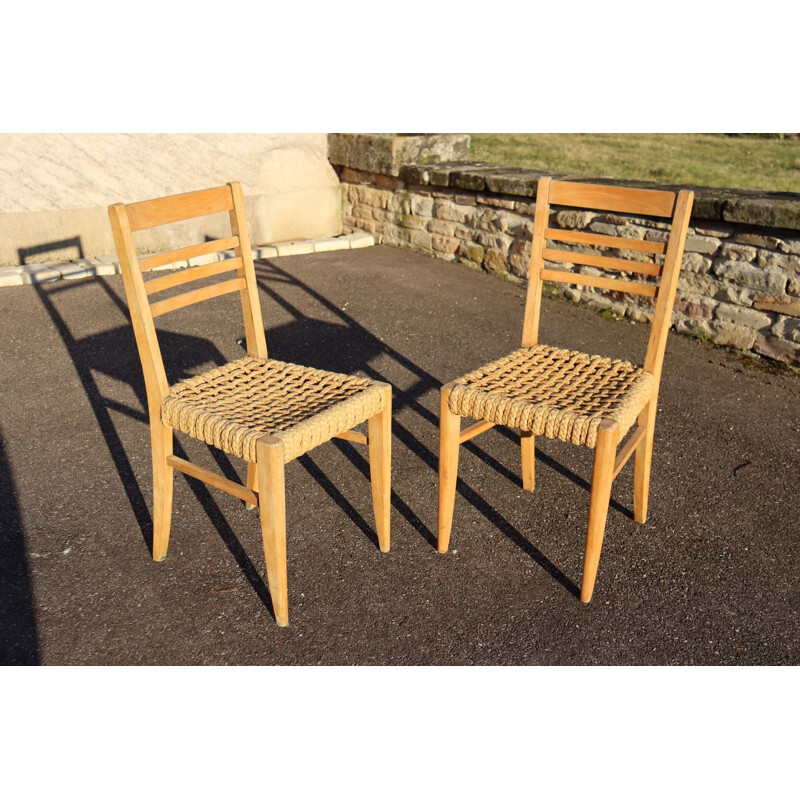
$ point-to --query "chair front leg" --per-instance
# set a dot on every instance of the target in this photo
(272, 509)
(602, 476)
(163, 480)
(449, 433)
(380, 468)
(527, 446)
(641, 467)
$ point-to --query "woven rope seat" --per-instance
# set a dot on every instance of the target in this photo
(233, 406)
(547, 391)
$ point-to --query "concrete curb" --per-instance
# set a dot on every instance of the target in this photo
(108, 265)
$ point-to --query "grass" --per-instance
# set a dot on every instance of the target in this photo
(769, 162)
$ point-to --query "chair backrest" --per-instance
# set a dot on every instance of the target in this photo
(638, 202)
(127, 219)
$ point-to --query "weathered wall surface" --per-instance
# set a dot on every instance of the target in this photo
(740, 278)
(55, 188)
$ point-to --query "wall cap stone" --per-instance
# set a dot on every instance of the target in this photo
(386, 153)
(441, 160)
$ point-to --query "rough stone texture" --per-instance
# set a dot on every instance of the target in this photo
(739, 338)
(386, 153)
(742, 317)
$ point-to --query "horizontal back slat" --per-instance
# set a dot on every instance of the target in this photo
(612, 284)
(189, 298)
(193, 274)
(649, 202)
(602, 262)
(601, 240)
(170, 257)
(177, 207)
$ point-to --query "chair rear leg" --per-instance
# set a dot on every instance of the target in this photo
(602, 476)
(272, 509)
(644, 456)
(528, 449)
(449, 432)
(163, 480)
(380, 469)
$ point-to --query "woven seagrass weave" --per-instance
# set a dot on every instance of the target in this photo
(561, 394)
(232, 406)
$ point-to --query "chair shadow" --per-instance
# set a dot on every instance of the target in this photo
(326, 353)
(24, 253)
(19, 641)
(113, 353)
(342, 346)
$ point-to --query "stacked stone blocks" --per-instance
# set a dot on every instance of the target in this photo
(739, 284)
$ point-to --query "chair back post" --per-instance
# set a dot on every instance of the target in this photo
(155, 378)
(621, 200)
(126, 219)
(251, 307)
(533, 300)
(662, 318)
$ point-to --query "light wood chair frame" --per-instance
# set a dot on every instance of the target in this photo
(607, 461)
(265, 478)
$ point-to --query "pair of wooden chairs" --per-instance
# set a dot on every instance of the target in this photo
(269, 412)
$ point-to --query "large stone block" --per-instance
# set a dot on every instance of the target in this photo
(771, 280)
(695, 306)
(771, 346)
(740, 338)
(787, 307)
(574, 219)
(770, 212)
(767, 258)
(446, 209)
(472, 252)
(695, 262)
(445, 244)
(494, 261)
(422, 206)
(387, 153)
(742, 317)
(787, 328)
(521, 182)
(732, 251)
(699, 244)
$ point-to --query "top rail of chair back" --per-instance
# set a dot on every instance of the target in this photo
(178, 207)
(649, 202)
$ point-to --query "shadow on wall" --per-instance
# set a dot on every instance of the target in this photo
(18, 638)
(25, 253)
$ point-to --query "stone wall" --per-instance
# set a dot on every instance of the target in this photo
(740, 278)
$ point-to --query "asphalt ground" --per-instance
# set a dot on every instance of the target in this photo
(711, 578)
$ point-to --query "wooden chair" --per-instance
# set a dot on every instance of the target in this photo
(567, 395)
(265, 411)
